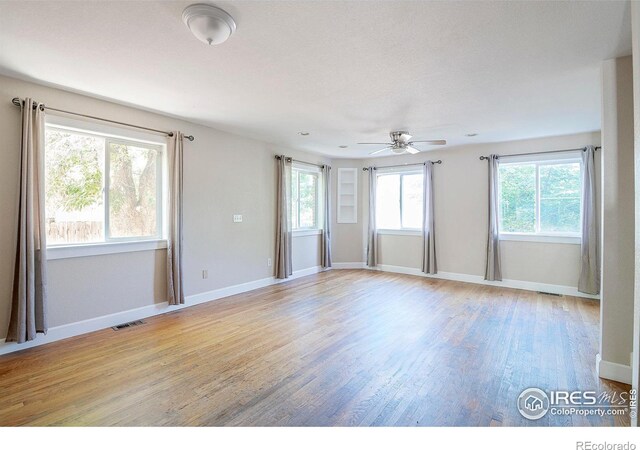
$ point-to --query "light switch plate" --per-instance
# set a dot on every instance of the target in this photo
(237, 218)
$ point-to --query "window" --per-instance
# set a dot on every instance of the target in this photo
(399, 201)
(99, 188)
(305, 198)
(540, 197)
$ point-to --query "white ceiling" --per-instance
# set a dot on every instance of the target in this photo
(345, 71)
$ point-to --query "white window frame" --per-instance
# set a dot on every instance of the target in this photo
(122, 136)
(540, 160)
(314, 170)
(403, 231)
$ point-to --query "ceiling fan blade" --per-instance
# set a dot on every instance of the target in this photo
(412, 150)
(378, 151)
(432, 142)
(375, 143)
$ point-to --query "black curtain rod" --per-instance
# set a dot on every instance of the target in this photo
(290, 159)
(583, 149)
(18, 102)
(404, 165)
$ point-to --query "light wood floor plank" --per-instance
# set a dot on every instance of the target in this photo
(349, 348)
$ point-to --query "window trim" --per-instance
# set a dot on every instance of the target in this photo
(540, 160)
(103, 248)
(306, 232)
(118, 244)
(317, 229)
(402, 231)
(548, 238)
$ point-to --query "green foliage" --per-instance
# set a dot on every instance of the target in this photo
(75, 182)
(308, 201)
(518, 198)
(559, 186)
(304, 191)
(73, 170)
(560, 197)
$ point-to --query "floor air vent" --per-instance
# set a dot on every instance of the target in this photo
(127, 325)
(550, 293)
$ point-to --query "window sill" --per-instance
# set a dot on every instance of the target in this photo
(540, 238)
(102, 248)
(301, 233)
(401, 232)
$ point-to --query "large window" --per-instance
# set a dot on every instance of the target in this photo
(540, 197)
(305, 198)
(399, 201)
(100, 188)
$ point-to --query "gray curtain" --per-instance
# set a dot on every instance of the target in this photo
(493, 271)
(326, 229)
(429, 263)
(372, 233)
(284, 266)
(589, 281)
(175, 289)
(29, 297)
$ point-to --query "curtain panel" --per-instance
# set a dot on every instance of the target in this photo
(429, 262)
(589, 281)
(372, 232)
(283, 261)
(29, 297)
(175, 288)
(326, 229)
(493, 271)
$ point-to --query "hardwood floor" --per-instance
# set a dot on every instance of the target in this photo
(346, 347)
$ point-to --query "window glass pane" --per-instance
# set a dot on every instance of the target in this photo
(74, 180)
(560, 197)
(133, 190)
(517, 198)
(388, 202)
(295, 223)
(412, 201)
(308, 191)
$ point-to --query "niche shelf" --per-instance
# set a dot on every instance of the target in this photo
(347, 195)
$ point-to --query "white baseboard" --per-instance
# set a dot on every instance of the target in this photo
(110, 320)
(348, 265)
(477, 279)
(613, 371)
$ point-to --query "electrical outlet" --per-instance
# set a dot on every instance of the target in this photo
(269, 262)
(205, 274)
(237, 218)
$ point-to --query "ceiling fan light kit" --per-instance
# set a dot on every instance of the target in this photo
(209, 24)
(401, 143)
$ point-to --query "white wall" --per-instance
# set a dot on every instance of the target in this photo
(618, 222)
(224, 175)
(460, 188)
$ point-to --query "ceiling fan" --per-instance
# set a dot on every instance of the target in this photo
(402, 143)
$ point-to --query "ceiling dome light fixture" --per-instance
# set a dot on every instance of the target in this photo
(209, 24)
